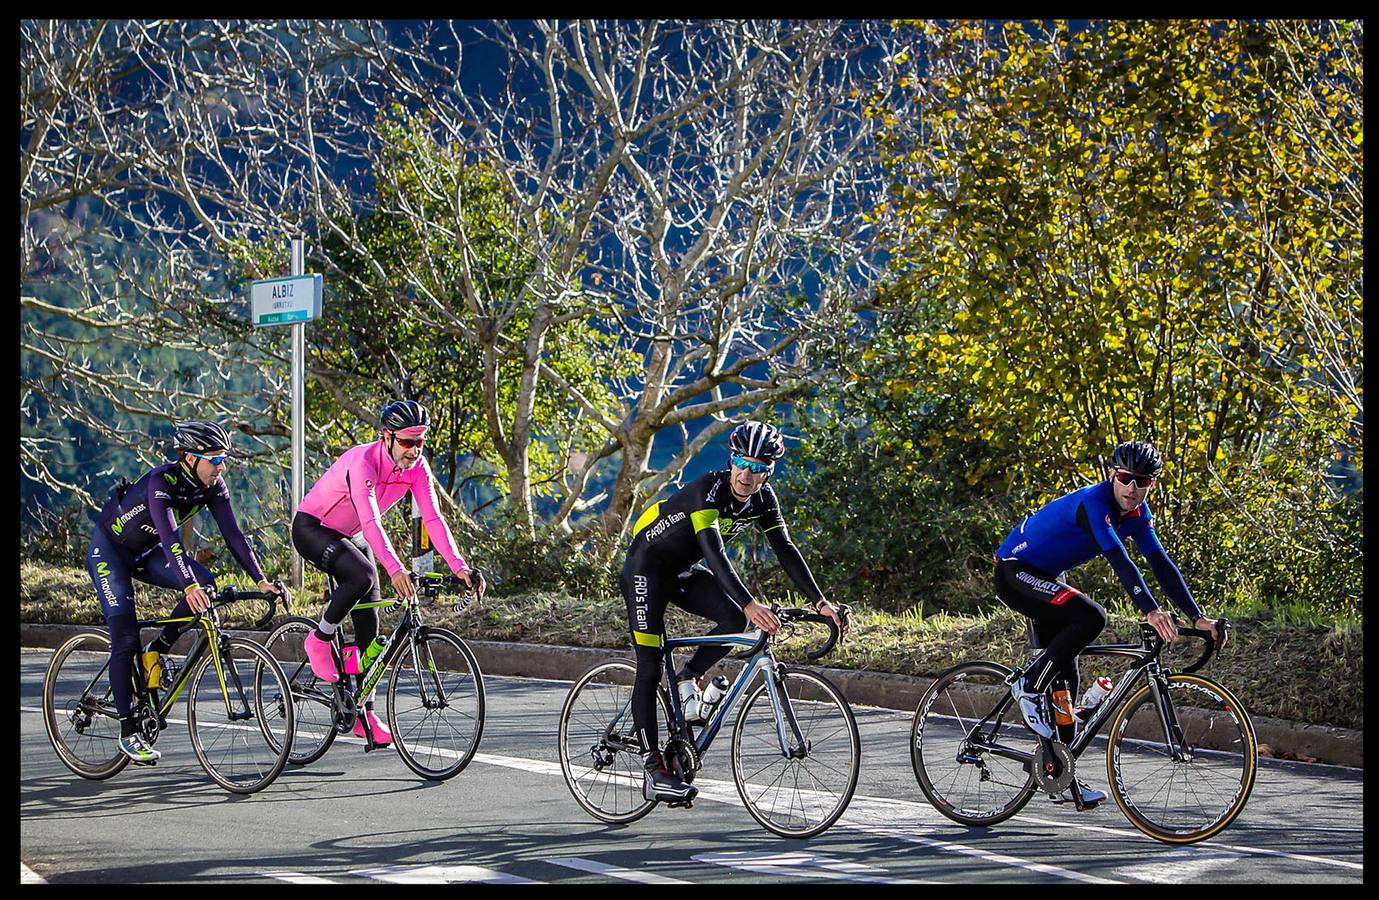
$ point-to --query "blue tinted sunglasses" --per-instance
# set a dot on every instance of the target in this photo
(751, 465)
(213, 460)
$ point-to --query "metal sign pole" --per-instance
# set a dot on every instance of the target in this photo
(298, 409)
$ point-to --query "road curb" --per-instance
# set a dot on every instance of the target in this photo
(1277, 737)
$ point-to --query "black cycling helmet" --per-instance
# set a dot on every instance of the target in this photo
(197, 437)
(757, 440)
(402, 414)
(1138, 458)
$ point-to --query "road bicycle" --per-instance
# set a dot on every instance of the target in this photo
(795, 748)
(1181, 751)
(435, 690)
(240, 732)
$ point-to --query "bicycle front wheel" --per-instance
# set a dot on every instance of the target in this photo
(1185, 792)
(79, 708)
(436, 704)
(800, 790)
(600, 753)
(313, 703)
(241, 735)
(963, 716)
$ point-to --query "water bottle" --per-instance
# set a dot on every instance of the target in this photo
(1094, 697)
(375, 650)
(690, 700)
(712, 694)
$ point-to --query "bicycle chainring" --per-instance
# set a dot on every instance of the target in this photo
(682, 758)
(1053, 767)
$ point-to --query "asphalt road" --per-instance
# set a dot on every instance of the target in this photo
(508, 818)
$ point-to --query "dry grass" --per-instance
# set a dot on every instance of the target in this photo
(1307, 673)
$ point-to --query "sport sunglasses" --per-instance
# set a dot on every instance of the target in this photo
(409, 443)
(751, 465)
(213, 460)
(1143, 481)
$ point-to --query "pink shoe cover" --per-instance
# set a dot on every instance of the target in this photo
(381, 736)
(322, 660)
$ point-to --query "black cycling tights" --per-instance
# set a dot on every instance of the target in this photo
(647, 596)
(351, 563)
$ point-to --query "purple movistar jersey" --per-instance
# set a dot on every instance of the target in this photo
(141, 516)
(361, 486)
(1069, 531)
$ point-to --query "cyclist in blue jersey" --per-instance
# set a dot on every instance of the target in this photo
(1031, 570)
(677, 556)
(139, 520)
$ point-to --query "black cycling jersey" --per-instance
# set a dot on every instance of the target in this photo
(693, 523)
(143, 515)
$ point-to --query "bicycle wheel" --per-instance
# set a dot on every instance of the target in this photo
(79, 708)
(241, 739)
(605, 779)
(954, 725)
(1189, 799)
(436, 704)
(313, 703)
(802, 794)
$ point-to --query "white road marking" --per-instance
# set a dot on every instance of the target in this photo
(803, 865)
(29, 876)
(598, 868)
(440, 875)
(1178, 866)
(299, 878)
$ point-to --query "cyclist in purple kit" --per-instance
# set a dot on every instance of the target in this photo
(339, 529)
(1031, 570)
(138, 520)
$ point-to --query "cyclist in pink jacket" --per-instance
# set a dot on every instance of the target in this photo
(339, 529)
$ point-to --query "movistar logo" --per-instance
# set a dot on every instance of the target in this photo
(177, 549)
(103, 569)
(171, 478)
(117, 527)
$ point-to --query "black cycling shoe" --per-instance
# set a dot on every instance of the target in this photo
(662, 784)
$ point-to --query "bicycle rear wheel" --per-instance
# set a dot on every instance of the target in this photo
(1195, 795)
(954, 727)
(312, 699)
(241, 735)
(436, 704)
(79, 708)
(802, 794)
(599, 749)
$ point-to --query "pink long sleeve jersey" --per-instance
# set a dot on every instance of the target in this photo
(361, 486)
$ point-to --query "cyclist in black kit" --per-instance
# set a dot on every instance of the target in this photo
(137, 521)
(677, 556)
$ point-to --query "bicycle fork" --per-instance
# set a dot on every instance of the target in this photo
(1168, 718)
(784, 713)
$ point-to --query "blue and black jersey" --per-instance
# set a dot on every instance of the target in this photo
(1071, 530)
(147, 513)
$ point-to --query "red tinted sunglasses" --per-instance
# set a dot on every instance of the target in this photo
(1143, 481)
(409, 443)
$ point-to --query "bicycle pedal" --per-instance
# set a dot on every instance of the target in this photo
(146, 763)
(680, 804)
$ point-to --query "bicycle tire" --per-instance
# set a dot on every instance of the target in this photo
(238, 757)
(1218, 781)
(584, 720)
(460, 682)
(79, 664)
(314, 717)
(945, 717)
(824, 718)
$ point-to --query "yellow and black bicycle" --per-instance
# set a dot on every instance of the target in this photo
(241, 725)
